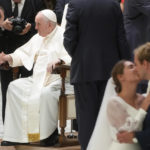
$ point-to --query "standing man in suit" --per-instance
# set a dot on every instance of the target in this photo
(95, 46)
(137, 27)
(137, 22)
(26, 9)
(59, 9)
(142, 62)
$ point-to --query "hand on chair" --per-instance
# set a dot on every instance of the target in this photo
(52, 65)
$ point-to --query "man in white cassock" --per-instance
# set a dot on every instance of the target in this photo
(32, 103)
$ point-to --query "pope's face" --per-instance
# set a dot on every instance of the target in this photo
(42, 26)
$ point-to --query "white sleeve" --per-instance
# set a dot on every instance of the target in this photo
(120, 119)
(24, 55)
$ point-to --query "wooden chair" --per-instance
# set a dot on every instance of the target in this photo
(66, 107)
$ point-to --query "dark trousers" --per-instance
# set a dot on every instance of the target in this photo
(6, 78)
(88, 100)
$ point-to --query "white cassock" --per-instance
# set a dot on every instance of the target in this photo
(32, 103)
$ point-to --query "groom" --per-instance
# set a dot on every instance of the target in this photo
(142, 62)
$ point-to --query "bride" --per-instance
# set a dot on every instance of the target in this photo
(122, 109)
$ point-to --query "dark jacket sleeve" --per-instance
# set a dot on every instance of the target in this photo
(59, 9)
(71, 32)
(144, 139)
(144, 135)
(143, 6)
(123, 47)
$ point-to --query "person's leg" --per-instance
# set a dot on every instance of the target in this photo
(6, 78)
(16, 108)
(88, 100)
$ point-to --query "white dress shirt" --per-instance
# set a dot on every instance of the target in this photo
(20, 6)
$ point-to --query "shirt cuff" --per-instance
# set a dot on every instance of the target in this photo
(141, 114)
(15, 60)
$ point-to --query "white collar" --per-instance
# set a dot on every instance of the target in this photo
(21, 3)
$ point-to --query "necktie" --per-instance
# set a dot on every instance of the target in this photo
(15, 13)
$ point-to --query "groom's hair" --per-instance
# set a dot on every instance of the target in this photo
(143, 52)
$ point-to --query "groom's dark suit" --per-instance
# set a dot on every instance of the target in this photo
(137, 22)
(10, 41)
(144, 135)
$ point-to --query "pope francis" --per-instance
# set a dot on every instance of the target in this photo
(32, 103)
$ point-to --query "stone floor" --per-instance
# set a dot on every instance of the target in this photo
(39, 148)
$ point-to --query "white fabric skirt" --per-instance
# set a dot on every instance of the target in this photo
(122, 146)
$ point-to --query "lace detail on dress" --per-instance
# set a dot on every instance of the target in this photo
(124, 117)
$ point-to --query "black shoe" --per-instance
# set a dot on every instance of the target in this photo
(51, 140)
(7, 143)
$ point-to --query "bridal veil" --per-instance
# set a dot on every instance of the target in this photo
(101, 138)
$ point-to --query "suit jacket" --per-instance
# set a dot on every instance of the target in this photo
(144, 135)
(94, 38)
(10, 40)
(137, 22)
(59, 9)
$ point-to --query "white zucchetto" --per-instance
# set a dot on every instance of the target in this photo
(49, 14)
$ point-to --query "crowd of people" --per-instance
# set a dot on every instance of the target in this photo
(100, 39)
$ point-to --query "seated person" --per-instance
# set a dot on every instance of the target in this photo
(32, 103)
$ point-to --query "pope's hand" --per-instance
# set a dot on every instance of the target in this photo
(2, 60)
(52, 65)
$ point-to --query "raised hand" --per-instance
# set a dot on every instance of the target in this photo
(1, 16)
(7, 25)
(26, 29)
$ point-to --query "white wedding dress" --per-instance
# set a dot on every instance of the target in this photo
(115, 115)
